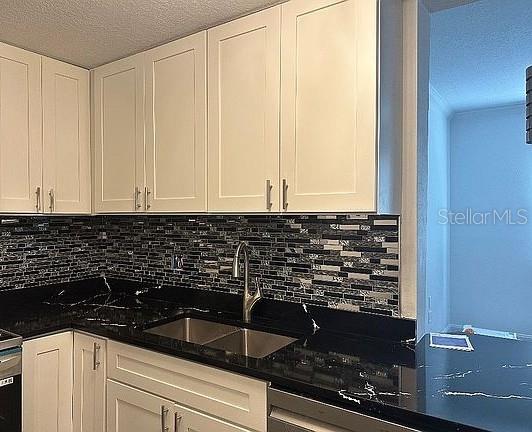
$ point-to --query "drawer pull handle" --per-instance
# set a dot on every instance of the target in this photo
(38, 199)
(164, 413)
(137, 195)
(52, 200)
(147, 198)
(285, 195)
(268, 194)
(177, 421)
(95, 356)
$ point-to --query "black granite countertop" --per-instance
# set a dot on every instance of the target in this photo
(357, 361)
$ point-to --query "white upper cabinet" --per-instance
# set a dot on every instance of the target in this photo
(243, 104)
(277, 111)
(329, 105)
(119, 136)
(66, 139)
(44, 135)
(176, 111)
(20, 131)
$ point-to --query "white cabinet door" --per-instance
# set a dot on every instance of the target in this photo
(20, 131)
(66, 146)
(131, 410)
(176, 112)
(89, 384)
(119, 136)
(243, 103)
(47, 384)
(187, 420)
(235, 398)
(328, 105)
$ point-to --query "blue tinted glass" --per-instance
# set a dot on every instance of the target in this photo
(441, 340)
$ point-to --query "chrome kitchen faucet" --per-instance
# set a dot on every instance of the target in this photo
(249, 300)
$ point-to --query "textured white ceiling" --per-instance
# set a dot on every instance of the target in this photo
(93, 32)
(479, 53)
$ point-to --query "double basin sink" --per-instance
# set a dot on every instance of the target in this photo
(238, 340)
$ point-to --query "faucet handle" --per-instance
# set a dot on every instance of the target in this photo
(258, 289)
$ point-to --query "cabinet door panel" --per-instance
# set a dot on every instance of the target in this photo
(20, 130)
(66, 156)
(129, 409)
(223, 394)
(176, 125)
(244, 82)
(119, 135)
(89, 384)
(47, 384)
(328, 107)
(188, 420)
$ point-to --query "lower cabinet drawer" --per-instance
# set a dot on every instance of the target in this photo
(187, 420)
(221, 394)
(130, 409)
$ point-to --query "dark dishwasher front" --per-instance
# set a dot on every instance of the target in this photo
(290, 413)
(11, 390)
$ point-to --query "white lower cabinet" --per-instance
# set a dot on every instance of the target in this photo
(47, 384)
(227, 396)
(76, 382)
(130, 409)
(89, 384)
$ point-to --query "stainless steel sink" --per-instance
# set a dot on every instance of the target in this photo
(193, 330)
(251, 343)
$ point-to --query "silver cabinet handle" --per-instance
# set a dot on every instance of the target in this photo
(137, 196)
(177, 421)
(147, 197)
(164, 413)
(51, 195)
(96, 356)
(269, 194)
(285, 194)
(38, 199)
(8, 359)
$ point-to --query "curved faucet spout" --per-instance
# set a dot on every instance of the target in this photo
(242, 247)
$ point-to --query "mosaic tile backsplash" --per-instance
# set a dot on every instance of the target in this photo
(348, 262)
(38, 251)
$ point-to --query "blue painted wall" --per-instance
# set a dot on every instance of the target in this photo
(491, 264)
(436, 313)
